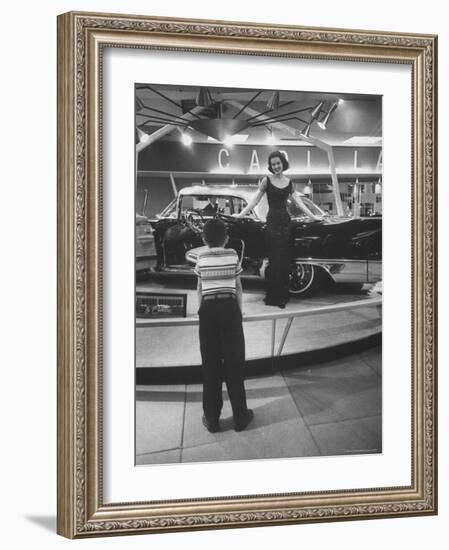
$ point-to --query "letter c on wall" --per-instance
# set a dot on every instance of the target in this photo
(220, 158)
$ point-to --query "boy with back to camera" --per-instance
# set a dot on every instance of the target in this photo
(222, 342)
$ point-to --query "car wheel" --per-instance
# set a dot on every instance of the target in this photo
(302, 279)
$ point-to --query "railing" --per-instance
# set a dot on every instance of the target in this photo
(274, 317)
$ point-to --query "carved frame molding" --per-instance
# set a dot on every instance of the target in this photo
(81, 38)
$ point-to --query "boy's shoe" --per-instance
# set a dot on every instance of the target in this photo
(240, 425)
(211, 426)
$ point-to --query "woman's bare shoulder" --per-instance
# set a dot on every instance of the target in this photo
(263, 184)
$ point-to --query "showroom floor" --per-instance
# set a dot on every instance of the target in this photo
(330, 408)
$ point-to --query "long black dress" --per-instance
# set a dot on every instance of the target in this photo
(278, 243)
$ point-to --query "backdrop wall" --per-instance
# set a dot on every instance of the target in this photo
(28, 275)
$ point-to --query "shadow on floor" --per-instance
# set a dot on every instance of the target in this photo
(46, 522)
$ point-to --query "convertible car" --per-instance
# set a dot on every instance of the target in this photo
(340, 249)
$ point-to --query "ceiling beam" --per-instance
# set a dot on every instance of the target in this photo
(166, 129)
(254, 113)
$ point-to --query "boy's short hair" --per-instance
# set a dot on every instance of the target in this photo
(215, 232)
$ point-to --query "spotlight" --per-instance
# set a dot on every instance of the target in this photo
(323, 123)
(143, 137)
(306, 130)
(317, 109)
(186, 139)
(228, 141)
(203, 98)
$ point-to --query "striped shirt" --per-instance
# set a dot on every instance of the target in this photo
(217, 269)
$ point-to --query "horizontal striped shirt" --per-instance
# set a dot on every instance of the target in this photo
(217, 269)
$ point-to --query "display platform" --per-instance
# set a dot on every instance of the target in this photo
(328, 324)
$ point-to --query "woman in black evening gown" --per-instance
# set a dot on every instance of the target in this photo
(278, 189)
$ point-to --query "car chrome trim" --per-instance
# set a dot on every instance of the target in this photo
(347, 270)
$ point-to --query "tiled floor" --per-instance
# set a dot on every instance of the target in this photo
(331, 408)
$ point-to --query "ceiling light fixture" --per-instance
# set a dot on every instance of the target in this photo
(186, 139)
(314, 115)
(306, 130)
(143, 137)
(323, 123)
(203, 98)
(229, 141)
(317, 109)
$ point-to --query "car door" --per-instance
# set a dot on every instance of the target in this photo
(250, 230)
(172, 236)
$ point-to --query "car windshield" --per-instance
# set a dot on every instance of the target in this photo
(296, 212)
(208, 206)
(169, 211)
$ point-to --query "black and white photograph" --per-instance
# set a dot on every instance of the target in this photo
(229, 213)
(258, 255)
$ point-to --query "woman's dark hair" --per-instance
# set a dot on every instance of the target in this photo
(215, 232)
(281, 156)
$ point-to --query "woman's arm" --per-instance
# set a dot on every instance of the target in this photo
(238, 290)
(199, 292)
(303, 207)
(252, 203)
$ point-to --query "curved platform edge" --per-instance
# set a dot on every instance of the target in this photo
(258, 367)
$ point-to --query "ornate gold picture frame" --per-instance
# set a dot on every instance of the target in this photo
(82, 509)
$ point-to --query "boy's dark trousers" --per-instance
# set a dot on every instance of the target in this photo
(222, 347)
